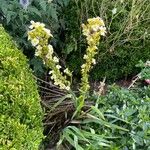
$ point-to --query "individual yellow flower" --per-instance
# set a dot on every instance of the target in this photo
(36, 24)
(55, 59)
(48, 32)
(93, 61)
(38, 53)
(58, 66)
(35, 42)
(102, 30)
(39, 47)
(68, 72)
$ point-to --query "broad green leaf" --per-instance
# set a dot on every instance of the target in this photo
(105, 123)
(98, 112)
(78, 132)
(53, 11)
(35, 11)
(43, 4)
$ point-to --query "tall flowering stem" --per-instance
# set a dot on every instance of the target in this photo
(94, 28)
(39, 36)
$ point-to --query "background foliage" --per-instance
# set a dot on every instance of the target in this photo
(126, 42)
(127, 38)
(21, 114)
(16, 20)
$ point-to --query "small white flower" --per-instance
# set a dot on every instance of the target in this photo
(103, 30)
(32, 22)
(29, 37)
(35, 42)
(56, 59)
(42, 25)
(39, 47)
(114, 11)
(67, 72)
(85, 57)
(93, 61)
(53, 77)
(56, 83)
(48, 56)
(50, 72)
(83, 66)
(48, 32)
(67, 88)
(95, 28)
(37, 53)
(50, 49)
(36, 24)
(31, 26)
(58, 66)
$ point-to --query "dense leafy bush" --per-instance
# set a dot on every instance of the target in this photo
(126, 42)
(133, 107)
(21, 114)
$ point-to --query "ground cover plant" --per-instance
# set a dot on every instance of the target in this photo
(20, 110)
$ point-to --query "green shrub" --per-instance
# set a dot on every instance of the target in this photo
(126, 42)
(133, 106)
(21, 114)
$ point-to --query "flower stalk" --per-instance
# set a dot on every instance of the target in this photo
(94, 28)
(39, 36)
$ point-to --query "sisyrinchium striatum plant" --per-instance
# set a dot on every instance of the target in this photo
(39, 36)
(114, 121)
(15, 16)
(95, 27)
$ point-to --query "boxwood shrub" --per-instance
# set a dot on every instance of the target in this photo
(21, 113)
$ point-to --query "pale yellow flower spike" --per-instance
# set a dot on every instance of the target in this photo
(39, 36)
(94, 28)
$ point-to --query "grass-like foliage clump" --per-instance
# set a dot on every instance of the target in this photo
(21, 114)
